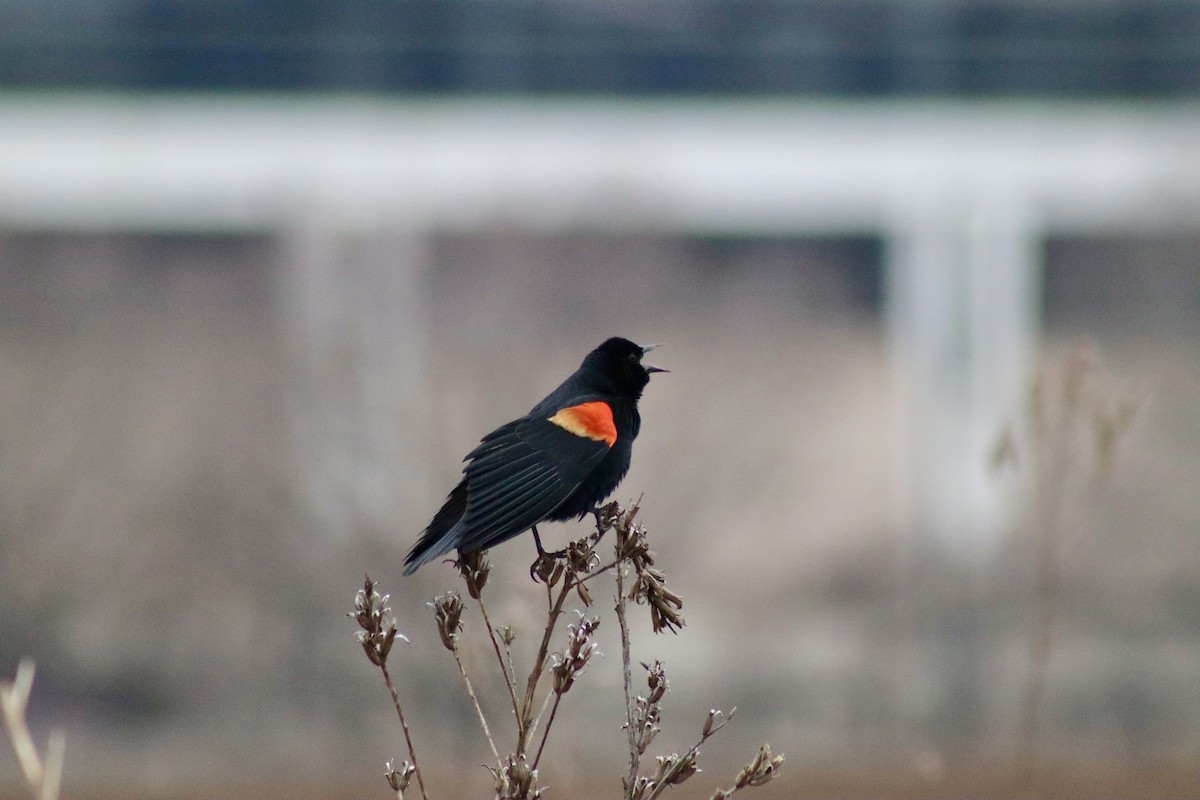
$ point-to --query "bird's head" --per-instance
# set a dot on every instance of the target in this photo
(617, 366)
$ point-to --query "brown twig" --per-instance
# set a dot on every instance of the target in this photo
(568, 665)
(412, 753)
(1064, 409)
(759, 772)
(563, 573)
(475, 569)
(539, 663)
(447, 611)
(377, 635)
(509, 680)
(627, 676)
(537, 721)
(598, 571)
(546, 730)
(478, 708)
(680, 769)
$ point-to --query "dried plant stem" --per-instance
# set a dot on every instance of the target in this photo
(627, 675)
(546, 730)
(599, 571)
(562, 574)
(509, 679)
(43, 778)
(1070, 426)
(541, 713)
(694, 750)
(539, 663)
(387, 677)
(1050, 496)
(478, 708)
(512, 670)
(56, 750)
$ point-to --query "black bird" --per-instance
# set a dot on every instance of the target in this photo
(556, 462)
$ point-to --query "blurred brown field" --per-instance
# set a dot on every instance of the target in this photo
(202, 453)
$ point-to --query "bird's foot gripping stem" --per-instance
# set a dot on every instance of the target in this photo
(543, 566)
(605, 516)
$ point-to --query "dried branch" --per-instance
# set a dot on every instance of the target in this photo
(42, 777)
(627, 680)
(649, 585)
(475, 569)
(447, 610)
(567, 666)
(376, 637)
(564, 574)
(759, 772)
(1066, 436)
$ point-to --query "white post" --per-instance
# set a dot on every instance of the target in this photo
(353, 308)
(963, 279)
(963, 302)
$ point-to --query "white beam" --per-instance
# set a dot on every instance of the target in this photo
(244, 163)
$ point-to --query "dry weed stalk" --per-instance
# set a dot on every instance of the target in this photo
(377, 635)
(1064, 442)
(42, 777)
(554, 673)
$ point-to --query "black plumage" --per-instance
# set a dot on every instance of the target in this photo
(556, 463)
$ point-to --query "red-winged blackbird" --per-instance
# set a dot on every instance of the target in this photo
(556, 462)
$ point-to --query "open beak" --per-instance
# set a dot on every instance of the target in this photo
(650, 369)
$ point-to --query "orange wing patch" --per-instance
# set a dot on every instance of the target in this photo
(593, 420)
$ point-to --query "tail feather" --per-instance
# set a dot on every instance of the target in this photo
(444, 533)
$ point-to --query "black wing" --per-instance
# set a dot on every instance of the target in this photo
(519, 474)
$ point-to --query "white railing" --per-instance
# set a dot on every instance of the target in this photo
(962, 194)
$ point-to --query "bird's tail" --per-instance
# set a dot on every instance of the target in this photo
(444, 532)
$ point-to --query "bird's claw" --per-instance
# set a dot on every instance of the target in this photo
(545, 565)
(605, 516)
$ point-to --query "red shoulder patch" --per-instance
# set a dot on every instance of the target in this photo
(592, 420)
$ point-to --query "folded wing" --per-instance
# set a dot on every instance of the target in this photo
(524, 470)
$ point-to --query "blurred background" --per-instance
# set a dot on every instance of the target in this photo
(926, 273)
